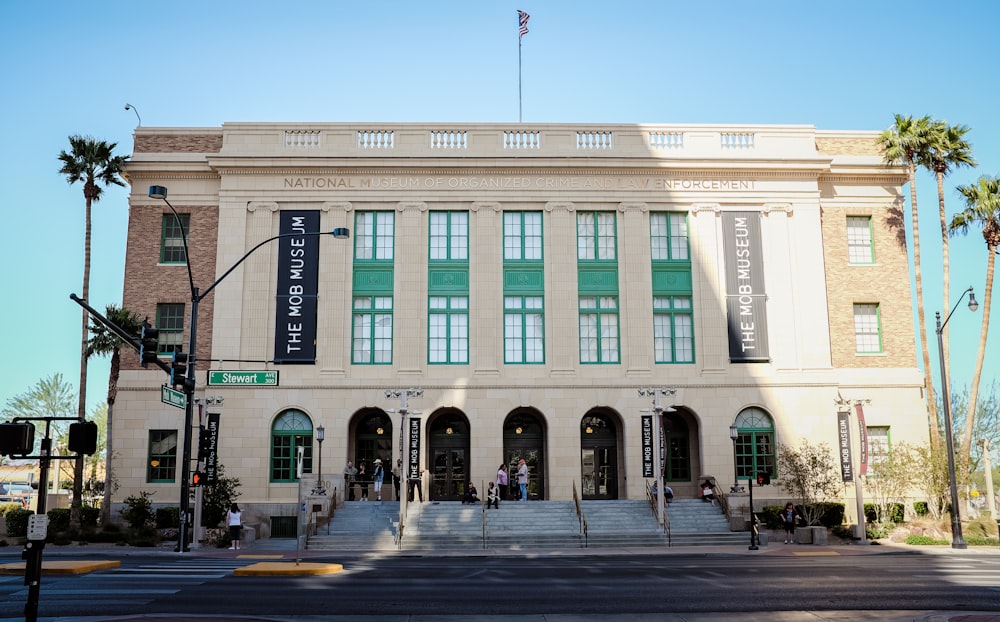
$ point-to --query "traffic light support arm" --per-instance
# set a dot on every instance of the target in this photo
(117, 330)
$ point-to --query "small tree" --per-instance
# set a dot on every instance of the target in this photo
(933, 480)
(888, 481)
(217, 498)
(810, 476)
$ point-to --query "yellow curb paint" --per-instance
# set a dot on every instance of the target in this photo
(63, 567)
(818, 554)
(270, 569)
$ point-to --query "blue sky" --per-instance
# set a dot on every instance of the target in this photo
(70, 68)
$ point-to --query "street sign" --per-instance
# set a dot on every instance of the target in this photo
(243, 378)
(38, 526)
(171, 396)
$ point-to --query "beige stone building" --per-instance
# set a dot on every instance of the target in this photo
(528, 282)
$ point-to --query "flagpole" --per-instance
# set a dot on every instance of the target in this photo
(519, 110)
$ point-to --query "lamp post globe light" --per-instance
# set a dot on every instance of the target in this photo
(320, 488)
(160, 192)
(957, 541)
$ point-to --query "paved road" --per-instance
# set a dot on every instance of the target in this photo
(207, 566)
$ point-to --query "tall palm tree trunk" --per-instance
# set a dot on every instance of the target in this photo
(946, 280)
(970, 416)
(81, 412)
(921, 321)
(116, 362)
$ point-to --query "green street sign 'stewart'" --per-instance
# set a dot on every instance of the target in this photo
(243, 378)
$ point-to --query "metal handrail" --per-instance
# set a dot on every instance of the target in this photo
(581, 516)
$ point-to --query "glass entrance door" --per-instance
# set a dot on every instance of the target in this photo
(599, 473)
(448, 475)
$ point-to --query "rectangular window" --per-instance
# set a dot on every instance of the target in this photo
(170, 322)
(373, 235)
(867, 328)
(523, 329)
(372, 338)
(448, 329)
(673, 335)
(878, 444)
(172, 238)
(285, 456)
(449, 236)
(668, 236)
(522, 236)
(161, 461)
(859, 240)
(595, 235)
(754, 452)
(599, 329)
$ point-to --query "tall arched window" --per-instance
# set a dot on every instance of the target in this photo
(754, 443)
(291, 429)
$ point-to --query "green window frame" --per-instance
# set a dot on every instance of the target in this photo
(596, 236)
(599, 330)
(524, 330)
(291, 429)
(860, 250)
(172, 238)
(448, 330)
(673, 329)
(449, 236)
(374, 236)
(161, 457)
(522, 236)
(668, 236)
(371, 341)
(170, 322)
(754, 445)
(867, 328)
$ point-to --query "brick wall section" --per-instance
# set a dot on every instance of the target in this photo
(887, 283)
(147, 282)
(179, 143)
(848, 146)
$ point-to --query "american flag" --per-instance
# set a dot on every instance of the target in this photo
(522, 22)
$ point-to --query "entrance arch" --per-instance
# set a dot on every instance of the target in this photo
(599, 450)
(449, 454)
(524, 437)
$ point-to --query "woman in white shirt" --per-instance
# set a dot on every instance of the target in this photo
(234, 520)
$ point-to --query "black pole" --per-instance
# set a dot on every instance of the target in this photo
(753, 520)
(189, 386)
(33, 548)
(957, 541)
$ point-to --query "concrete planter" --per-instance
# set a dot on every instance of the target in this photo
(803, 535)
(819, 535)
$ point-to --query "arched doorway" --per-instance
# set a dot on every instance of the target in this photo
(524, 437)
(449, 454)
(599, 456)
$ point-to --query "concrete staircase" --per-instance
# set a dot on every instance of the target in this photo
(523, 525)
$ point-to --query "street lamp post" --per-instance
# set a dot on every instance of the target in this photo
(734, 435)
(404, 484)
(160, 192)
(658, 411)
(320, 488)
(957, 541)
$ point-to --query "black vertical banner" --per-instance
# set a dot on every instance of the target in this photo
(413, 449)
(745, 296)
(844, 446)
(298, 285)
(212, 457)
(647, 447)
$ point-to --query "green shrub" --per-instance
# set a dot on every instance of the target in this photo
(17, 522)
(924, 540)
(138, 510)
(168, 518)
(8, 506)
(58, 519)
(842, 531)
(875, 531)
(830, 515)
(975, 540)
(143, 537)
(89, 517)
(920, 508)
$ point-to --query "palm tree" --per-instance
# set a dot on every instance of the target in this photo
(947, 149)
(905, 143)
(982, 206)
(103, 341)
(93, 162)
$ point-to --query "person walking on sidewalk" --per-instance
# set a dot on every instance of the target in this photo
(234, 520)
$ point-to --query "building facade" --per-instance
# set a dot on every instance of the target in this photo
(537, 286)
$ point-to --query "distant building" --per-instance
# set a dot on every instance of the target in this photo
(530, 279)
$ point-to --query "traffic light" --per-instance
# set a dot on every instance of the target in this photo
(148, 344)
(16, 439)
(83, 437)
(204, 443)
(763, 478)
(178, 368)
(197, 478)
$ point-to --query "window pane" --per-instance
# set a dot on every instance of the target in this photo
(866, 328)
(859, 240)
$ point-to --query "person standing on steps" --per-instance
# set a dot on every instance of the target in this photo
(234, 520)
(789, 518)
(350, 472)
(363, 481)
(377, 476)
(502, 481)
(522, 478)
